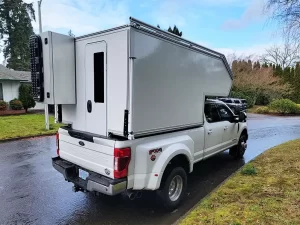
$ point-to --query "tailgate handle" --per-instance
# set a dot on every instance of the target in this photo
(89, 106)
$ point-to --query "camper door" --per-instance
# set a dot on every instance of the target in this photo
(95, 86)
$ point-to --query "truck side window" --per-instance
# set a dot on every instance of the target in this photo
(211, 113)
(225, 113)
(99, 77)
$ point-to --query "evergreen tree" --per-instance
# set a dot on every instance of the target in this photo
(256, 65)
(175, 31)
(25, 96)
(286, 74)
(292, 72)
(273, 66)
(296, 84)
(249, 65)
(15, 31)
(265, 65)
(278, 70)
(235, 66)
(70, 33)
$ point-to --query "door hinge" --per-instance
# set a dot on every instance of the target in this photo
(125, 129)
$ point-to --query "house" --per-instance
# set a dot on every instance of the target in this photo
(10, 81)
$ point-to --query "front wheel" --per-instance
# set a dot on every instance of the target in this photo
(238, 151)
(173, 188)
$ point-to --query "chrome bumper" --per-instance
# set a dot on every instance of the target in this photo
(93, 183)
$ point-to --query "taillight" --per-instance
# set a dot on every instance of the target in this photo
(57, 143)
(121, 162)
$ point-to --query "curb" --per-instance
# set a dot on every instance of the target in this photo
(27, 137)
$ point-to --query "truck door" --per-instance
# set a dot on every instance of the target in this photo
(95, 86)
(213, 130)
(230, 129)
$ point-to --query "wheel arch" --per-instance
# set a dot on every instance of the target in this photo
(180, 160)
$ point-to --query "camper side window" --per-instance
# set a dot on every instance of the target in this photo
(99, 77)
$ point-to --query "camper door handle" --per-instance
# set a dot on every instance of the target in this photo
(89, 106)
(209, 132)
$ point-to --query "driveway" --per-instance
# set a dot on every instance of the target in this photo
(32, 192)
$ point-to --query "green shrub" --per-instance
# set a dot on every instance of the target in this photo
(263, 99)
(262, 109)
(3, 105)
(25, 96)
(284, 106)
(15, 104)
(249, 169)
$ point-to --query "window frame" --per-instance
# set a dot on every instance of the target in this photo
(1, 91)
(99, 77)
(229, 111)
(216, 107)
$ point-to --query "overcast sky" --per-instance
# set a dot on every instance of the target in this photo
(225, 25)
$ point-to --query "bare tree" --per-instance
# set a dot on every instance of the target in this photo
(260, 81)
(286, 55)
(287, 14)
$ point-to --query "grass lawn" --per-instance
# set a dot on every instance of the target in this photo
(25, 125)
(266, 191)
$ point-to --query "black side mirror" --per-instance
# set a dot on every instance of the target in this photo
(236, 119)
(242, 117)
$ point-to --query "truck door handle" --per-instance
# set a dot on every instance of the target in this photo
(225, 128)
(89, 106)
(209, 132)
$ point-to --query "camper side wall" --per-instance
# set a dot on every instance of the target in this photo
(170, 82)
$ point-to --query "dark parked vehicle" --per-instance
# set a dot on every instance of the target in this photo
(245, 103)
(235, 104)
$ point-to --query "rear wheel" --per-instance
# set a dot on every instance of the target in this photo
(238, 151)
(173, 188)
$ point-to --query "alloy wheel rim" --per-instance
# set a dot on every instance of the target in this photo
(175, 188)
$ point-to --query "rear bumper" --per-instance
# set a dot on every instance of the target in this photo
(93, 183)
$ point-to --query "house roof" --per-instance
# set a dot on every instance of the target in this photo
(8, 74)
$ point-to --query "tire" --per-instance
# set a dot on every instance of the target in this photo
(238, 151)
(173, 188)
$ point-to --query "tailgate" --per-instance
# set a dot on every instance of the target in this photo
(96, 155)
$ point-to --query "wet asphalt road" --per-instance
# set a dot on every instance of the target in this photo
(32, 192)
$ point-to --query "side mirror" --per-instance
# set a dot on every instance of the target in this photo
(236, 119)
(242, 117)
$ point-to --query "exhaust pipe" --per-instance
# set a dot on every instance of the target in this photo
(131, 195)
(139, 194)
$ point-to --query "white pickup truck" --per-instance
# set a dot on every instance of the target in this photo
(134, 101)
(158, 163)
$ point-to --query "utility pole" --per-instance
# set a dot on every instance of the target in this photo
(41, 30)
